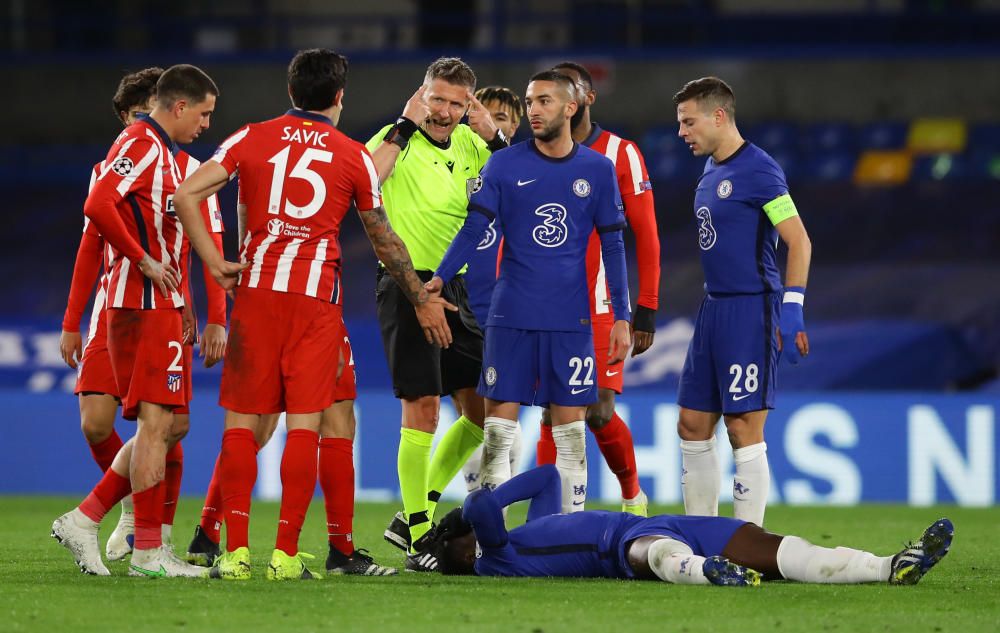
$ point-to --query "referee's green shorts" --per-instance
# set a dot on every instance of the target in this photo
(419, 368)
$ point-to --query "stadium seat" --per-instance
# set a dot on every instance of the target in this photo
(680, 168)
(883, 168)
(790, 161)
(937, 136)
(661, 139)
(883, 135)
(941, 167)
(829, 137)
(773, 136)
(829, 166)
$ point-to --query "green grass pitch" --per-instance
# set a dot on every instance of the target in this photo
(41, 589)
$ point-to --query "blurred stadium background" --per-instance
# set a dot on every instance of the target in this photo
(885, 115)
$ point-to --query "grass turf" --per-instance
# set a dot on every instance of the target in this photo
(42, 590)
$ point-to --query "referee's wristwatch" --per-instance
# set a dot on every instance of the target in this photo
(400, 133)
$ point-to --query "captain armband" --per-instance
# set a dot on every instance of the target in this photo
(780, 209)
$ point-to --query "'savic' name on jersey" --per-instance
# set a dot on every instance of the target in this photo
(312, 137)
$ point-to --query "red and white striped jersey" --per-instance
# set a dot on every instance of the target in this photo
(298, 175)
(640, 212)
(131, 205)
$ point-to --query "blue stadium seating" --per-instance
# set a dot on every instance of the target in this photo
(883, 135)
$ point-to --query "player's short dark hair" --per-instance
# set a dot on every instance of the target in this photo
(453, 70)
(504, 96)
(135, 89)
(585, 75)
(710, 91)
(451, 548)
(315, 76)
(184, 81)
(555, 77)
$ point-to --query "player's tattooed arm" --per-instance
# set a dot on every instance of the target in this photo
(393, 254)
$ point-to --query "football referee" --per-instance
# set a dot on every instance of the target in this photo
(425, 160)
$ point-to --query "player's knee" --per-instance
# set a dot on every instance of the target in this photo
(598, 416)
(95, 432)
(179, 428)
(692, 431)
(422, 414)
(742, 434)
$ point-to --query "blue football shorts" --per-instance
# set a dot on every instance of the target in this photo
(732, 361)
(536, 367)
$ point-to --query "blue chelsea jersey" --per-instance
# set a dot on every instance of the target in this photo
(481, 274)
(546, 208)
(737, 240)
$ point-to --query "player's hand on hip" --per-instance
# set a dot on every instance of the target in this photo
(71, 347)
(621, 341)
(163, 275)
(480, 119)
(416, 108)
(226, 274)
(793, 341)
(213, 344)
(432, 320)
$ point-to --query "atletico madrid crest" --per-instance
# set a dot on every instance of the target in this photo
(174, 382)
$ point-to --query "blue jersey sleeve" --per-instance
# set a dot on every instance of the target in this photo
(542, 485)
(482, 510)
(769, 183)
(610, 222)
(484, 201)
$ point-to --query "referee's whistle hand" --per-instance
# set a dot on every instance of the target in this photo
(433, 321)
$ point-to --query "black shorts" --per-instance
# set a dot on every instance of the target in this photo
(419, 368)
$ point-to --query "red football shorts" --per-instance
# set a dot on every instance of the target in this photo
(185, 409)
(347, 386)
(95, 374)
(608, 376)
(282, 353)
(147, 358)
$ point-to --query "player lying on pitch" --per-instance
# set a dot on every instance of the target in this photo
(689, 550)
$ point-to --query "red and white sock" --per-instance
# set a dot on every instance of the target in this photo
(298, 483)
(238, 466)
(211, 512)
(615, 442)
(336, 478)
(111, 489)
(104, 452)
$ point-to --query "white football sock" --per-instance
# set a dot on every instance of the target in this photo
(166, 533)
(751, 484)
(701, 478)
(800, 560)
(127, 504)
(571, 460)
(673, 561)
(498, 436)
(472, 469)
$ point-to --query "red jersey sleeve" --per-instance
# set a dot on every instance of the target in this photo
(89, 259)
(640, 212)
(128, 170)
(367, 192)
(228, 153)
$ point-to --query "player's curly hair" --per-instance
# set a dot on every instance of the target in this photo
(505, 97)
(449, 545)
(710, 91)
(453, 70)
(135, 89)
(315, 76)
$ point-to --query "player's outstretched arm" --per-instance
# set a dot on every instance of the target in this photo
(462, 247)
(206, 181)
(393, 254)
(792, 330)
(542, 485)
(613, 254)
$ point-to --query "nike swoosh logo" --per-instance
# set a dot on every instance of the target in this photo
(578, 503)
(738, 398)
(521, 183)
(578, 391)
(609, 374)
(162, 573)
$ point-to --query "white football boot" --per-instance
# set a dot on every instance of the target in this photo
(77, 533)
